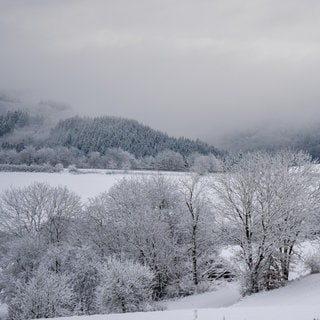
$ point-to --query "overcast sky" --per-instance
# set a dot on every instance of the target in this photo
(188, 67)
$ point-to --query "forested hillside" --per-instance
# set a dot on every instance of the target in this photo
(101, 133)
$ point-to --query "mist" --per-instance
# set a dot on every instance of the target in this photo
(199, 69)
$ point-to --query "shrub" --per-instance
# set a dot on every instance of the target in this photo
(59, 167)
(126, 287)
(46, 295)
(73, 169)
(181, 287)
(313, 262)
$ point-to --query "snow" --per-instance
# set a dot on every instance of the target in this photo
(255, 313)
(86, 183)
(301, 292)
(3, 311)
(224, 296)
(299, 300)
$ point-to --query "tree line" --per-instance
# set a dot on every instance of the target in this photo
(57, 158)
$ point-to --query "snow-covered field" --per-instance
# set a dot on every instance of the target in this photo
(86, 183)
(299, 300)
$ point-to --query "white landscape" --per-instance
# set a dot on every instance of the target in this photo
(160, 160)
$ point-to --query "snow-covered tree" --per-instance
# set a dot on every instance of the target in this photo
(116, 158)
(82, 267)
(38, 208)
(265, 202)
(46, 295)
(169, 160)
(24, 210)
(62, 206)
(296, 205)
(27, 155)
(126, 287)
(203, 164)
(20, 260)
(94, 159)
(140, 219)
(199, 219)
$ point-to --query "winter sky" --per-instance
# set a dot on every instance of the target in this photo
(187, 67)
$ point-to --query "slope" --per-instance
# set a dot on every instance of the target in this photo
(297, 301)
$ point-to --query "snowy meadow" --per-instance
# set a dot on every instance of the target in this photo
(86, 183)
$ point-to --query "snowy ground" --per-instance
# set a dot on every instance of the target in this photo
(299, 300)
(3, 312)
(87, 183)
(224, 296)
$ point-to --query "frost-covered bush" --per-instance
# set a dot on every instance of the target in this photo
(126, 287)
(73, 169)
(20, 259)
(82, 267)
(85, 280)
(203, 164)
(186, 287)
(59, 167)
(313, 262)
(169, 160)
(181, 287)
(46, 295)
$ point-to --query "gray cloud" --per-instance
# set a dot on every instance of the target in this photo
(192, 68)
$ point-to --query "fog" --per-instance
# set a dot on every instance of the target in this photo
(192, 68)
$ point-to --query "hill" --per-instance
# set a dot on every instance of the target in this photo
(299, 300)
(102, 133)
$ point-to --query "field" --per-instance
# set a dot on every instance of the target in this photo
(86, 183)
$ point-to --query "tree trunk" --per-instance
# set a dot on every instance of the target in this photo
(194, 256)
